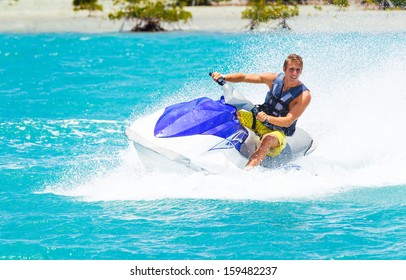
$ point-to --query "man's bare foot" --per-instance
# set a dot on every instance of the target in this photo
(248, 168)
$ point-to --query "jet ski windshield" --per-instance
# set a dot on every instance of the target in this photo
(199, 116)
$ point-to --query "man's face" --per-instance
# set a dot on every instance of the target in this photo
(293, 70)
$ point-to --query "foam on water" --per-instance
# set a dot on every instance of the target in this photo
(356, 117)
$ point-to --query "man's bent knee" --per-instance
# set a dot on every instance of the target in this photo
(270, 141)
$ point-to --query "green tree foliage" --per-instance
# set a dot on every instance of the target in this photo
(396, 3)
(202, 2)
(90, 5)
(384, 4)
(260, 11)
(399, 3)
(341, 3)
(148, 14)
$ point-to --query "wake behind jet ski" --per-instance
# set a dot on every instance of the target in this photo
(206, 135)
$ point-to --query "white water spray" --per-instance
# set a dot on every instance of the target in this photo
(356, 116)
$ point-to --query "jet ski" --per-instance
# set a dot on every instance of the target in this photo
(205, 135)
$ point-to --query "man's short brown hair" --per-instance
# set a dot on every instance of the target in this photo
(294, 58)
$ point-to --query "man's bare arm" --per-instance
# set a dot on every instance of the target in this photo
(262, 78)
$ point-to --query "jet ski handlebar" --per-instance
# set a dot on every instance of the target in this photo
(232, 96)
(221, 81)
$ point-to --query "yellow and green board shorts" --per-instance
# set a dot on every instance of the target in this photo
(246, 119)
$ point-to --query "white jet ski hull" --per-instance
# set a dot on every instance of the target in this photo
(207, 153)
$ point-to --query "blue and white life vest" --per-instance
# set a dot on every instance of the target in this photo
(277, 103)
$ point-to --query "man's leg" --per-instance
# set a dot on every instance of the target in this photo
(268, 141)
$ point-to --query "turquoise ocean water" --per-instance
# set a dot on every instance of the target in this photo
(71, 186)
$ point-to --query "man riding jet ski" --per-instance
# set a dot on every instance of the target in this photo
(208, 135)
(285, 102)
